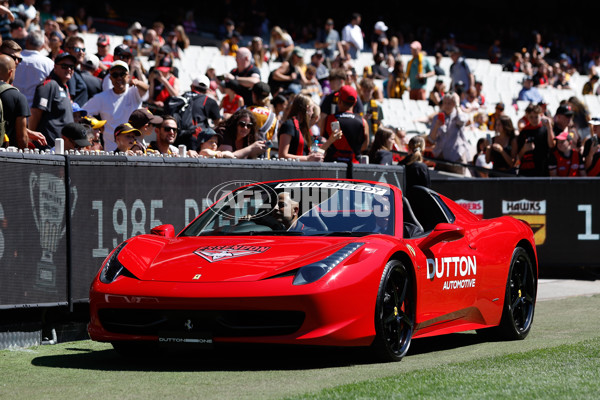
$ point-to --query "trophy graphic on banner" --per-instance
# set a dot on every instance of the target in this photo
(48, 199)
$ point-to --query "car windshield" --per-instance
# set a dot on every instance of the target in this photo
(299, 208)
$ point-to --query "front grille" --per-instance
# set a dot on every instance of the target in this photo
(229, 323)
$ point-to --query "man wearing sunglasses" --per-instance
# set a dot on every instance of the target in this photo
(51, 109)
(78, 88)
(166, 133)
(116, 105)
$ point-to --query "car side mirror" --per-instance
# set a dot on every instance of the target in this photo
(442, 233)
(166, 230)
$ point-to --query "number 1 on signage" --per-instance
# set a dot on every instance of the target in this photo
(588, 235)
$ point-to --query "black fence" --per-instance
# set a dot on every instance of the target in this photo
(60, 216)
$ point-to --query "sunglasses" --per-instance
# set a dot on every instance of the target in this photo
(170, 129)
(67, 67)
(245, 124)
(117, 75)
(78, 49)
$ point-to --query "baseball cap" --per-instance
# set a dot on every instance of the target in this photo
(564, 110)
(126, 128)
(77, 108)
(564, 135)
(416, 45)
(261, 89)
(165, 64)
(122, 49)
(77, 133)
(298, 51)
(91, 61)
(142, 116)
(594, 121)
(93, 122)
(103, 40)
(202, 81)
(381, 26)
(64, 55)
(348, 94)
(206, 134)
(119, 64)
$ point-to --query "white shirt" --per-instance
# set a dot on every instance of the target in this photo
(115, 109)
(353, 34)
(32, 71)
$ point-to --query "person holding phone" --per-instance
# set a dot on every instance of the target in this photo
(347, 133)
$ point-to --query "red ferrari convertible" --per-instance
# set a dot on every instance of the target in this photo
(319, 262)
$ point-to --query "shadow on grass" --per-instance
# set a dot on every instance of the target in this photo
(242, 357)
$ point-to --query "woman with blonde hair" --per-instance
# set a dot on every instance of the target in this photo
(281, 44)
(415, 170)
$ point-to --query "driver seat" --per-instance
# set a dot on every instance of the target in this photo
(411, 226)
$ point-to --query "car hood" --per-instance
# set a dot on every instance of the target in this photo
(219, 259)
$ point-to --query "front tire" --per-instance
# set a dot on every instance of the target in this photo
(519, 299)
(394, 313)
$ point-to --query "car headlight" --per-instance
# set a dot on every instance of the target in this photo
(112, 268)
(315, 271)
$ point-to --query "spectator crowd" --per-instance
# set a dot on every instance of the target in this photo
(130, 100)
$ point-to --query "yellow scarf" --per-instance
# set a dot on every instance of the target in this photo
(420, 69)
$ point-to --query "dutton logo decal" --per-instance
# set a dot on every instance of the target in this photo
(456, 272)
(531, 211)
(220, 253)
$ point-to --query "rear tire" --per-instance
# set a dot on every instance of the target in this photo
(394, 313)
(519, 298)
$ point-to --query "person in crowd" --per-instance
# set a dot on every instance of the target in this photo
(289, 77)
(373, 112)
(563, 121)
(103, 52)
(124, 53)
(281, 44)
(437, 67)
(12, 49)
(266, 118)
(534, 143)
(479, 160)
(355, 131)
(75, 45)
(379, 69)
(55, 44)
(143, 120)
(581, 118)
(418, 70)
(34, 67)
(396, 82)
(437, 93)
(209, 141)
(116, 105)
(96, 137)
(330, 102)
(246, 74)
(240, 135)
(51, 109)
(591, 150)
(448, 134)
(295, 139)
(529, 92)
(15, 109)
(381, 149)
(564, 159)
(379, 40)
(493, 117)
(126, 137)
(312, 87)
(329, 41)
(588, 87)
(231, 101)
(352, 37)
(260, 55)
(89, 69)
(163, 82)
(416, 171)
(460, 70)
(75, 136)
(502, 151)
(166, 134)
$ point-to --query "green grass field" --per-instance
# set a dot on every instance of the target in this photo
(559, 359)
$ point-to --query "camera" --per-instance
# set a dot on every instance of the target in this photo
(269, 144)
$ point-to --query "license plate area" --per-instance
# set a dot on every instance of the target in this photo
(197, 340)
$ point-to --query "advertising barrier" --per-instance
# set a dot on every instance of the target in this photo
(60, 216)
